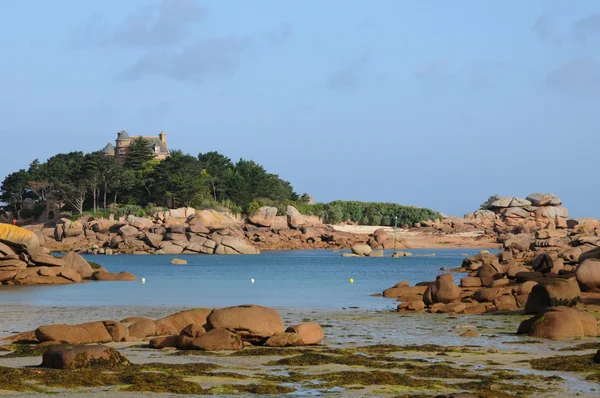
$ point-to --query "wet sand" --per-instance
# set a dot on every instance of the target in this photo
(423, 240)
(497, 350)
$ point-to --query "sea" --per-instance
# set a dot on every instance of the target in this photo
(319, 279)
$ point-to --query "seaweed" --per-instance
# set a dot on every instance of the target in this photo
(566, 363)
(584, 346)
(28, 350)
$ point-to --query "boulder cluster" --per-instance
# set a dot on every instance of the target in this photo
(547, 272)
(533, 212)
(187, 231)
(24, 262)
(230, 328)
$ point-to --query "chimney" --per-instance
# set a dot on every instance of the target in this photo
(163, 137)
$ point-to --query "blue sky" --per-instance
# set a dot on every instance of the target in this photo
(432, 103)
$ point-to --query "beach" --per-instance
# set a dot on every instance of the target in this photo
(424, 345)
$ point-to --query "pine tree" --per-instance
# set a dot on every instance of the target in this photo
(138, 153)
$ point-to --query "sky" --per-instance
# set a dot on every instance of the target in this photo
(437, 104)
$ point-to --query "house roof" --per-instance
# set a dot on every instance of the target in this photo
(162, 148)
(109, 149)
(123, 136)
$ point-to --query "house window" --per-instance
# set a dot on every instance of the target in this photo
(155, 147)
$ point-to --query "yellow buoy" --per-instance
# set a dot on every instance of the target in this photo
(351, 280)
(143, 280)
(251, 280)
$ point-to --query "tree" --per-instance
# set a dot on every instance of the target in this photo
(183, 179)
(250, 180)
(218, 168)
(13, 188)
(138, 153)
(99, 169)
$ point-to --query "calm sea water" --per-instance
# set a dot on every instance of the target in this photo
(305, 279)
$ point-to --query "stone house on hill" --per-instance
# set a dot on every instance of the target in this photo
(157, 143)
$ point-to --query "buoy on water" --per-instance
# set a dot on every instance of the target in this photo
(351, 281)
(251, 280)
(143, 280)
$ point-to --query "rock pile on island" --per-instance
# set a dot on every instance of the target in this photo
(534, 212)
(23, 261)
(190, 231)
(230, 328)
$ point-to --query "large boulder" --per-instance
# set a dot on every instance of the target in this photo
(12, 264)
(235, 245)
(443, 290)
(518, 243)
(588, 275)
(70, 334)
(519, 202)
(40, 258)
(361, 249)
(117, 330)
(593, 254)
(211, 219)
(287, 339)
(253, 323)
(499, 202)
(111, 276)
(19, 237)
(142, 329)
(552, 292)
(310, 332)
(83, 356)
(153, 239)
(163, 342)
(78, 264)
(544, 199)
(264, 216)
(140, 223)
(174, 324)
(560, 323)
(218, 339)
(294, 218)
(128, 231)
(97, 331)
(6, 250)
(187, 335)
(105, 225)
(402, 293)
(490, 294)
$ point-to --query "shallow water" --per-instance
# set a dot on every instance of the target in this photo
(305, 279)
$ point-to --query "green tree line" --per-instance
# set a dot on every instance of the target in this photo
(95, 182)
(138, 185)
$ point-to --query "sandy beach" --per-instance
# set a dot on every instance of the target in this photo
(422, 240)
(424, 345)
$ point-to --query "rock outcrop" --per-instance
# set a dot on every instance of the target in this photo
(558, 323)
(24, 262)
(253, 323)
(187, 231)
(211, 330)
(83, 356)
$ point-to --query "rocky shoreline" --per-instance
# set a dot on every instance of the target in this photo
(363, 353)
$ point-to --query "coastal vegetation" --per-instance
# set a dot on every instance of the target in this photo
(96, 184)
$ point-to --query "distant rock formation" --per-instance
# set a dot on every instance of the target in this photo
(188, 231)
(534, 212)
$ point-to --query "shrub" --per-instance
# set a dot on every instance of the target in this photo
(126, 210)
(65, 214)
(376, 213)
